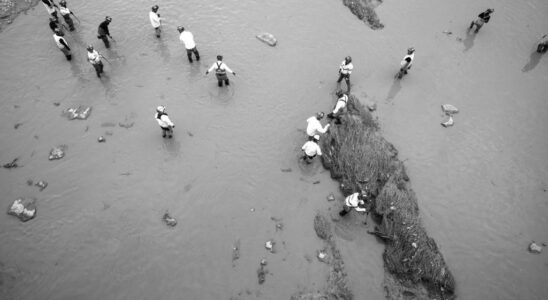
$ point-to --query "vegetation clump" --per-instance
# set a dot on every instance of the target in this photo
(365, 10)
(360, 158)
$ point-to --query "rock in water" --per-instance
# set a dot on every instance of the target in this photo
(81, 113)
(42, 185)
(57, 152)
(372, 106)
(23, 208)
(331, 197)
(267, 38)
(449, 109)
(448, 123)
(101, 139)
(169, 220)
(534, 248)
(12, 164)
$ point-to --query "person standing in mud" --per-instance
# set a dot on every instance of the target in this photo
(355, 201)
(65, 12)
(311, 149)
(406, 62)
(187, 38)
(220, 71)
(62, 44)
(50, 7)
(483, 18)
(95, 59)
(543, 44)
(345, 69)
(155, 20)
(340, 107)
(314, 127)
(163, 120)
(103, 32)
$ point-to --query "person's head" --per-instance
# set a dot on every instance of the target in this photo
(219, 57)
(319, 115)
(155, 8)
(108, 19)
(410, 50)
(161, 109)
(63, 3)
(90, 48)
(59, 32)
(180, 28)
(316, 138)
(348, 59)
(490, 10)
(339, 93)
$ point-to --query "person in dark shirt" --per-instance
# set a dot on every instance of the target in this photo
(103, 32)
(54, 24)
(482, 19)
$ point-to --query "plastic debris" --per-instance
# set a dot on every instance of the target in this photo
(449, 122)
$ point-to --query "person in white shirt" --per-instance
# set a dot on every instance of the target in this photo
(314, 126)
(155, 20)
(345, 69)
(95, 59)
(62, 44)
(164, 121)
(406, 62)
(311, 149)
(187, 38)
(220, 71)
(50, 7)
(339, 107)
(65, 12)
(355, 201)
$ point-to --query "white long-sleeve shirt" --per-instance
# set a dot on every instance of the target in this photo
(64, 10)
(341, 103)
(94, 57)
(404, 60)
(346, 68)
(163, 121)
(353, 202)
(315, 127)
(155, 20)
(187, 38)
(219, 67)
(311, 148)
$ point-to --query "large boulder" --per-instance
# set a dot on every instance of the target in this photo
(449, 109)
(57, 152)
(23, 208)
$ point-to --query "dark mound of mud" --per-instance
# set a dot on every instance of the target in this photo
(365, 10)
(359, 157)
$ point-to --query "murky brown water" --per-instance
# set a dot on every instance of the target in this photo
(98, 235)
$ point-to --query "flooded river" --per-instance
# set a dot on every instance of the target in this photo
(481, 185)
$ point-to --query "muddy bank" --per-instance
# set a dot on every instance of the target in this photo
(10, 9)
(365, 11)
(361, 159)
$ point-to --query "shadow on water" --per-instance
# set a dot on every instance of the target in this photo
(171, 146)
(469, 40)
(162, 48)
(534, 59)
(394, 90)
(221, 94)
(110, 91)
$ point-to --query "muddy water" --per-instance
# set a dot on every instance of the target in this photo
(98, 233)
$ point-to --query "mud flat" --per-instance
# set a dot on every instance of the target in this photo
(360, 158)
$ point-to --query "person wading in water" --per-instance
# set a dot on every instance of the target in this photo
(220, 71)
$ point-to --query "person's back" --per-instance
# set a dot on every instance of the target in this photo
(187, 38)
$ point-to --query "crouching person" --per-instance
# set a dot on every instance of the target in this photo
(355, 201)
(164, 121)
(311, 149)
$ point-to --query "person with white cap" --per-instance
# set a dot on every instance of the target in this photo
(155, 20)
(164, 121)
(314, 126)
(187, 38)
(94, 59)
(311, 149)
(355, 201)
(406, 62)
(339, 107)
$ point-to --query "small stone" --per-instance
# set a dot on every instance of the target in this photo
(101, 139)
(392, 207)
(331, 197)
(169, 220)
(42, 185)
(252, 209)
(535, 248)
(414, 245)
(57, 152)
(263, 262)
(269, 245)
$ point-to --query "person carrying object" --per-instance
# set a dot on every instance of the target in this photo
(345, 69)
(65, 13)
(163, 120)
(483, 18)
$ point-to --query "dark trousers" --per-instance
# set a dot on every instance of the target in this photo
(105, 40)
(98, 68)
(167, 131)
(478, 24)
(66, 52)
(542, 48)
(69, 22)
(221, 78)
(158, 31)
(346, 78)
(196, 53)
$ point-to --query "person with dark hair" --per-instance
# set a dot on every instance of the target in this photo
(311, 149)
(314, 127)
(339, 108)
(95, 59)
(164, 121)
(483, 18)
(62, 44)
(543, 44)
(50, 7)
(220, 71)
(155, 20)
(103, 32)
(345, 69)
(65, 13)
(54, 24)
(187, 38)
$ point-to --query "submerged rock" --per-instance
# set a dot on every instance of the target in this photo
(58, 152)
(12, 164)
(101, 139)
(23, 208)
(331, 197)
(267, 38)
(535, 248)
(80, 113)
(169, 220)
(448, 123)
(449, 109)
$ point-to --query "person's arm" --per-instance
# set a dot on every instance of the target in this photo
(360, 209)
(324, 129)
(229, 70)
(318, 150)
(211, 68)
(64, 43)
(167, 120)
